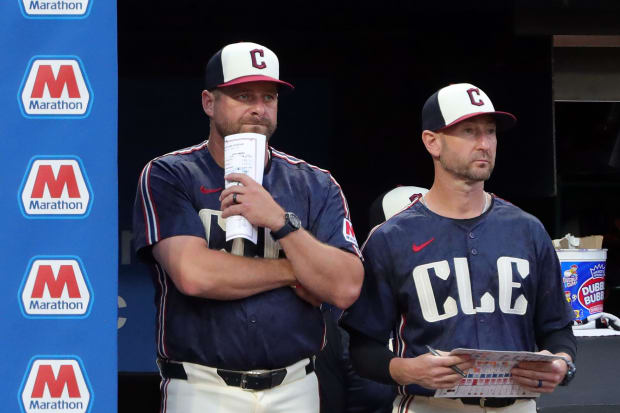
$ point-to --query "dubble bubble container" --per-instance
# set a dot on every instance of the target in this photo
(583, 277)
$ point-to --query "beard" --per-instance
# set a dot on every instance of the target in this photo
(466, 168)
(262, 126)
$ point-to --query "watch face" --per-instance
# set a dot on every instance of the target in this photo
(294, 220)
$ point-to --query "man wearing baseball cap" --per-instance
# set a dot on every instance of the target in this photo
(460, 268)
(238, 332)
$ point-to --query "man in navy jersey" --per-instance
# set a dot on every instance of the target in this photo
(457, 268)
(239, 332)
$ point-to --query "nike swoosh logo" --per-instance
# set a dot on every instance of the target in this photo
(208, 191)
(418, 248)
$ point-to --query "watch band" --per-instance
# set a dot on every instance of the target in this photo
(570, 373)
(291, 223)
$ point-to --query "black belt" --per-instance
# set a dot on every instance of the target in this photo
(245, 380)
(489, 401)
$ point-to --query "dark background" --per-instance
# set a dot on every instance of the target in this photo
(362, 72)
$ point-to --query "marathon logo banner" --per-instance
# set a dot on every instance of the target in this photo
(56, 385)
(55, 188)
(55, 8)
(55, 87)
(60, 252)
(55, 287)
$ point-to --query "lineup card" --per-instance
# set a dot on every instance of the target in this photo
(490, 376)
(244, 153)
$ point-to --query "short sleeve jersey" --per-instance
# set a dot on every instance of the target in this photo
(178, 195)
(494, 283)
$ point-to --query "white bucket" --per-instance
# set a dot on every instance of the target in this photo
(583, 276)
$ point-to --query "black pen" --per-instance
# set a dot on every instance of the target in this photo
(456, 369)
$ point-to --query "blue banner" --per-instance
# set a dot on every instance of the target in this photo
(59, 212)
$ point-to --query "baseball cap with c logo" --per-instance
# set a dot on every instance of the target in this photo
(242, 63)
(456, 103)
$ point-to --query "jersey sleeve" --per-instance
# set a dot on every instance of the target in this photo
(163, 208)
(333, 224)
(374, 313)
(552, 310)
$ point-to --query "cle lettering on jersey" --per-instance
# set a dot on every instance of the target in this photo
(215, 234)
(441, 269)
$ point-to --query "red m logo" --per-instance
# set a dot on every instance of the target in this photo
(55, 285)
(55, 85)
(45, 177)
(45, 378)
(55, 187)
(349, 229)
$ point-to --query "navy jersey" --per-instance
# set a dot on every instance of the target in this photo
(490, 283)
(178, 195)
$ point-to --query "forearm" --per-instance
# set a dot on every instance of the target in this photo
(401, 371)
(199, 271)
(229, 277)
(328, 273)
(332, 275)
(376, 362)
(370, 358)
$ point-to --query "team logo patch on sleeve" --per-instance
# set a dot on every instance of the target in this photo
(347, 231)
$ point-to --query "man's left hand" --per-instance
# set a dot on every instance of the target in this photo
(540, 376)
(306, 295)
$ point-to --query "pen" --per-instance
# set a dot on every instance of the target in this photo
(456, 369)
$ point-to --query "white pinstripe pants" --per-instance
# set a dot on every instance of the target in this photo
(205, 391)
(421, 404)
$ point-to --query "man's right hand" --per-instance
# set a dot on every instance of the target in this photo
(254, 203)
(427, 370)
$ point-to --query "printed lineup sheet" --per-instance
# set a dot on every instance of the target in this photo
(244, 153)
(490, 376)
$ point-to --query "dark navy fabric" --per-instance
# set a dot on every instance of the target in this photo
(214, 72)
(178, 195)
(342, 390)
(432, 118)
(494, 283)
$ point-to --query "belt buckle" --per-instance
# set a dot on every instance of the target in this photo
(244, 378)
(244, 381)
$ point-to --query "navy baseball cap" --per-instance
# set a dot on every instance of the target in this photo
(242, 63)
(456, 103)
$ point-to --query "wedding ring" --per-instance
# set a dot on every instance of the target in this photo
(235, 198)
(539, 383)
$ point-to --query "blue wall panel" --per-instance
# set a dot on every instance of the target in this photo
(59, 298)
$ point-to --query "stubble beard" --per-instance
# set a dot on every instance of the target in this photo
(467, 170)
(263, 127)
